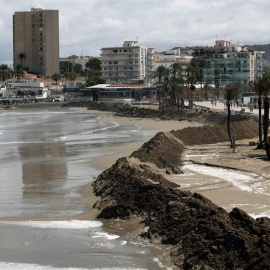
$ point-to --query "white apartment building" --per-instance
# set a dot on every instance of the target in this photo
(127, 63)
(170, 57)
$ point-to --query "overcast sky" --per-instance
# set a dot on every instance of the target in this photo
(88, 25)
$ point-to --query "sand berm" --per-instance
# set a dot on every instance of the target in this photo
(201, 234)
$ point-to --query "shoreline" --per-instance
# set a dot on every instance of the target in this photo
(217, 155)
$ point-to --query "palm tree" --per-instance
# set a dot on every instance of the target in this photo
(261, 87)
(217, 82)
(22, 56)
(202, 65)
(159, 73)
(176, 70)
(19, 72)
(197, 67)
(266, 111)
(73, 76)
(56, 77)
(231, 92)
(5, 70)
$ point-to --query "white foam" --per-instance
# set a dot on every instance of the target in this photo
(161, 265)
(103, 235)
(25, 266)
(238, 179)
(256, 205)
(115, 124)
(264, 214)
(70, 224)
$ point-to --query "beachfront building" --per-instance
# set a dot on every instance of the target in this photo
(127, 63)
(229, 62)
(119, 93)
(170, 57)
(36, 41)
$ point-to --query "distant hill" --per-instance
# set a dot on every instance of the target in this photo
(265, 48)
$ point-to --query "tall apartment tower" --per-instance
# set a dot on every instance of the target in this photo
(128, 63)
(36, 41)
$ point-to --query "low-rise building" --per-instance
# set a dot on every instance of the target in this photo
(128, 62)
(229, 62)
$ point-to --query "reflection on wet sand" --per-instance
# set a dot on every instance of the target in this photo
(44, 168)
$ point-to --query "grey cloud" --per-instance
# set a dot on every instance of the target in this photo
(88, 25)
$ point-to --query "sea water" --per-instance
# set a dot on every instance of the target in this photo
(45, 161)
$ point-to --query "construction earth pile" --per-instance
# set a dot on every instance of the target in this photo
(143, 112)
(201, 234)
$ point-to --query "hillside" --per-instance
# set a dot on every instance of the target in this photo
(265, 48)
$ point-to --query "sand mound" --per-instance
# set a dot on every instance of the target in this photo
(202, 235)
(133, 111)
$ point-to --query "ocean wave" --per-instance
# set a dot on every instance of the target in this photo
(238, 179)
(25, 266)
(103, 235)
(161, 265)
(68, 224)
(102, 129)
(264, 214)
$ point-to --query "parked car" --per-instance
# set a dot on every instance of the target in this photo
(58, 99)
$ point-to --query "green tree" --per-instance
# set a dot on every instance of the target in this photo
(197, 67)
(159, 73)
(77, 68)
(19, 72)
(93, 64)
(94, 81)
(217, 81)
(22, 56)
(176, 70)
(65, 67)
(266, 72)
(73, 57)
(56, 77)
(5, 71)
(73, 76)
(94, 75)
(231, 93)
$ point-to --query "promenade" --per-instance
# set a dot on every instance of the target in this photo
(220, 106)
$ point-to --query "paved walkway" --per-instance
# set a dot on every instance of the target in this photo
(220, 107)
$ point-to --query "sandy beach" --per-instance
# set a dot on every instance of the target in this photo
(246, 160)
(155, 125)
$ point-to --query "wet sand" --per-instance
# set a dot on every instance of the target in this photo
(254, 198)
(247, 185)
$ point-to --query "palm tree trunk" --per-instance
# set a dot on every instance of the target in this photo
(229, 123)
(260, 122)
(266, 119)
